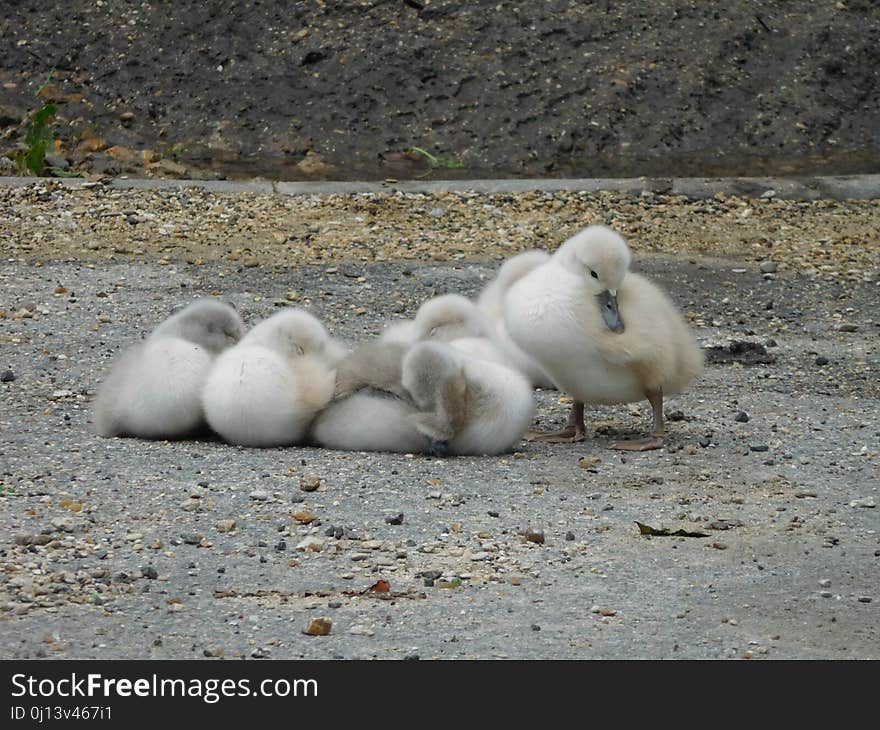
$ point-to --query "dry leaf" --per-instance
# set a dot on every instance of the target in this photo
(648, 530)
(319, 627)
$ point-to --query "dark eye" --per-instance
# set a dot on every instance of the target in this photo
(594, 274)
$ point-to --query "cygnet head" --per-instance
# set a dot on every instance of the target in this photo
(212, 324)
(291, 333)
(602, 257)
(448, 318)
(427, 368)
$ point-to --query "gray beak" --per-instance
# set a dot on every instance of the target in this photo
(610, 313)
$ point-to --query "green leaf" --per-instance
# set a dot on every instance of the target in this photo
(435, 162)
(36, 156)
(45, 115)
(21, 163)
(38, 138)
(68, 173)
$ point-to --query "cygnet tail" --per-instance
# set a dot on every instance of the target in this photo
(689, 363)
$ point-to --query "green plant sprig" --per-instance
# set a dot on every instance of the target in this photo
(38, 138)
(435, 162)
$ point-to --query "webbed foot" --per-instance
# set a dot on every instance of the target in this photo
(649, 443)
(568, 435)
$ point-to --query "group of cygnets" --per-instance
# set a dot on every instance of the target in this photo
(456, 379)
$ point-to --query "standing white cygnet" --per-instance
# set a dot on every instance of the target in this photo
(153, 389)
(471, 406)
(604, 334)
(266, 390)
(491, 304)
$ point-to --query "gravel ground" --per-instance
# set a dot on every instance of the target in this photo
(125, 548)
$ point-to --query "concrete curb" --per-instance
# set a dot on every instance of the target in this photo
(844, 187)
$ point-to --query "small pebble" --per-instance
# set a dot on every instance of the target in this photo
(259, 495)
(741, 417)
(309, 482)
(395, 519)
(148, 571)
(759, 447)
(867, 502)
(310, 544)
(319, 627)
(7, 377)
(821, 360)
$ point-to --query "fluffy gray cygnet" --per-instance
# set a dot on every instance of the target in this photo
(371, 411)
(266, 390)
(153, 389)
(472, 405)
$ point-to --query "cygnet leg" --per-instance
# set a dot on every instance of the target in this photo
(575, 430)
(655, 440)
